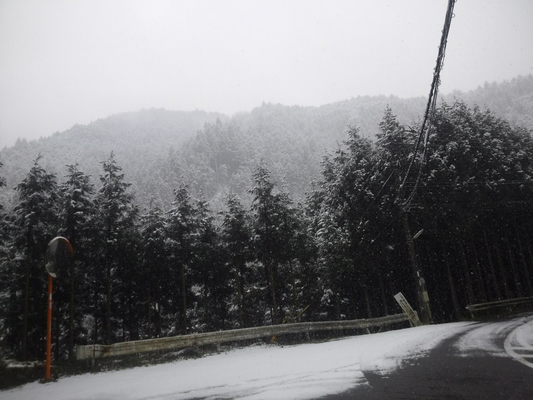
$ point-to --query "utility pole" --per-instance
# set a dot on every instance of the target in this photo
(421, 290)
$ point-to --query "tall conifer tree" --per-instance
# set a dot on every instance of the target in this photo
(35, 225)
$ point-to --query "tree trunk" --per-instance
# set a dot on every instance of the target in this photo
(273, 293)
(524, 265)
(206, 303)
(26, 310)
(95, 340)
(503, 273)
(150, 333)
(367, 301)
(338, 304)
(529, 251)
(354, 306)
(480, 276)
(492, 270)
(294, 290)
(183, 301)
(516, 277)
(95, 315)
(453, 293)
(468, 281)
(382, 291)
(239, 297)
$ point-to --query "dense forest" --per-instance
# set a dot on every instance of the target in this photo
(237, 245)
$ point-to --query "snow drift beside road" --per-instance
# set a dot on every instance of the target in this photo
(261, 372)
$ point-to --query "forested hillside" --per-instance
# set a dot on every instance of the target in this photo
(212, 153)
(511, 100)
(215, 154)
(139, 140)
(224, 244)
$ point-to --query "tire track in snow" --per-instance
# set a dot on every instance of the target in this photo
(519, 343)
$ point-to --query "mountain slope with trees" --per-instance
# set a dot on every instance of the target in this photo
(138, 139)
(215, 154)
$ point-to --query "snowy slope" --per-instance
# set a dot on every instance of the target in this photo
(261, 372)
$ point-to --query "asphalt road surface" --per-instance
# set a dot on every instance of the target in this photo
(492, 360)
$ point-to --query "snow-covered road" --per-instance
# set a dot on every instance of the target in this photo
(260, 372)
(270, 372)
(519, 343)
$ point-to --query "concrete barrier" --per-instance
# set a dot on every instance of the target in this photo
(198, 339)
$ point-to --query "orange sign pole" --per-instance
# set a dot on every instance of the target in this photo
(49, 330)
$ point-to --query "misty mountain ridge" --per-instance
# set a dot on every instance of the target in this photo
(214, 153)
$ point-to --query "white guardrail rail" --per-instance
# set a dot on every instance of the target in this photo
(234, 335)
(473, 309)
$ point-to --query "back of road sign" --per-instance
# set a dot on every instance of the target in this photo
(406, 307)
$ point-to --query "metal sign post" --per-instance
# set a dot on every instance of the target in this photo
(58, 252)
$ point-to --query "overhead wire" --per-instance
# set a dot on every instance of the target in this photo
(428, 118)
(429, 115)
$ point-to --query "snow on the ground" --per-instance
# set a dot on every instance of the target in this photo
(259, 372)
(485, 338)
(482, 339)
(519, 343)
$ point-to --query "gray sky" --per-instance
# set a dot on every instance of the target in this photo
(64, 62)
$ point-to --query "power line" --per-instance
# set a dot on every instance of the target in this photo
(428, 116)
(431, 105)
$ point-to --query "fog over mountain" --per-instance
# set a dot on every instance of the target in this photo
(64, 63)
(215, 153)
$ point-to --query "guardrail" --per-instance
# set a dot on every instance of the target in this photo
(492, 305)
(234, 335)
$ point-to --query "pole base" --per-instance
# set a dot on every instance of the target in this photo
(44, 380)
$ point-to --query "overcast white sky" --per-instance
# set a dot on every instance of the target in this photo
(64, 62)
